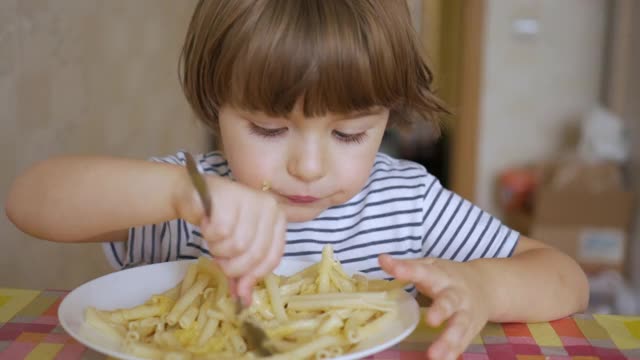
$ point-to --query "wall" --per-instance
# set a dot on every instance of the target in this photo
(92, 77)
(535, 87)
(629, 110)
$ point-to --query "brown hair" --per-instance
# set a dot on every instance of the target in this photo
(340, 56)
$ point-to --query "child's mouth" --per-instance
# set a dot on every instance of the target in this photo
(302, 199)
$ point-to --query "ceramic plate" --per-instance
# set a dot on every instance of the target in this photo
(131, 287)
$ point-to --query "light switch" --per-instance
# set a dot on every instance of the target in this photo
(526, 27)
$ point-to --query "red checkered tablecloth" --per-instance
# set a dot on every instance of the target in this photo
(29, 329)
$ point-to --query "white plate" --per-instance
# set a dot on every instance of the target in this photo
(131, 287)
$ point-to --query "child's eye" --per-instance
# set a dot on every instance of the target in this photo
(265, 132)
(350, 138)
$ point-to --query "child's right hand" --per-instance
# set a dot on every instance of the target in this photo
(246, 232)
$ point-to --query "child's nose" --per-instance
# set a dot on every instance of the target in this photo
(307, 164)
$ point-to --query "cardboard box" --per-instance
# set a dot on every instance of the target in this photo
(520, 221)
(584, 210)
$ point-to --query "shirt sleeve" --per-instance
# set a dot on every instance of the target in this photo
(456, 229)
(167, 241)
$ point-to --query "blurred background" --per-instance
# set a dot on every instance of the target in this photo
(545, 132)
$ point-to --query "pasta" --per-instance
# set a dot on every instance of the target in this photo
(317, 313)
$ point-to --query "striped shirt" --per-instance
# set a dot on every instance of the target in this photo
(402, 210)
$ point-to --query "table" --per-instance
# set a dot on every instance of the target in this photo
(29, 329)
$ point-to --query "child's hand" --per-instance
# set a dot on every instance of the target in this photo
(246, 231)
(457, 295)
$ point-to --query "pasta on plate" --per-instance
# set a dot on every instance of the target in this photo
(317, 313)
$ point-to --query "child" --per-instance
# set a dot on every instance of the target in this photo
(300, 94)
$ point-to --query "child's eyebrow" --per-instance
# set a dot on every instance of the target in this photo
(360, 113)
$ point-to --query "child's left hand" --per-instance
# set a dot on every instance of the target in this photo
(457, 294)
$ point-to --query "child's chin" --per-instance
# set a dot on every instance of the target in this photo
(301, 213)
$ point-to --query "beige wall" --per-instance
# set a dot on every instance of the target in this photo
(85, 76)
(623, 91)
(534, 87)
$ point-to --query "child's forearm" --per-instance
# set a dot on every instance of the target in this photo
(536, 285)
(74, 199)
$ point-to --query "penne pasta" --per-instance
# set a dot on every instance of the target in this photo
(374, 301)
(324, 270)
(317, 313)
(238, 343)
(189, 316)
(209, 330)
(138, 312)
(189, 278)
(98, 319)
(271, 282)
(293, 326)
(332, 323)
(187, 299)
(309, 349)
(143, 350)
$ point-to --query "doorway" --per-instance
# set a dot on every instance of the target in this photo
(451, 32)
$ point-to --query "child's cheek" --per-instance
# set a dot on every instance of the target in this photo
(353, 174)
(254, 170)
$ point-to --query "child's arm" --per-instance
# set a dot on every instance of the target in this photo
(537, 283)
(79, 199)
(535, 275)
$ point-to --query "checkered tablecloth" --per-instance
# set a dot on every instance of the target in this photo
(29, 329)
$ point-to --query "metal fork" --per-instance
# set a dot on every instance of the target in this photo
(256, 337)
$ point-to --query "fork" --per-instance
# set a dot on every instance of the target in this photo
(256, 336)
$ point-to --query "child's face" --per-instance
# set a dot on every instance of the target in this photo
(310, 164)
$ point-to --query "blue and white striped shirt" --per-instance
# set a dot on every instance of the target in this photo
(402, 210)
